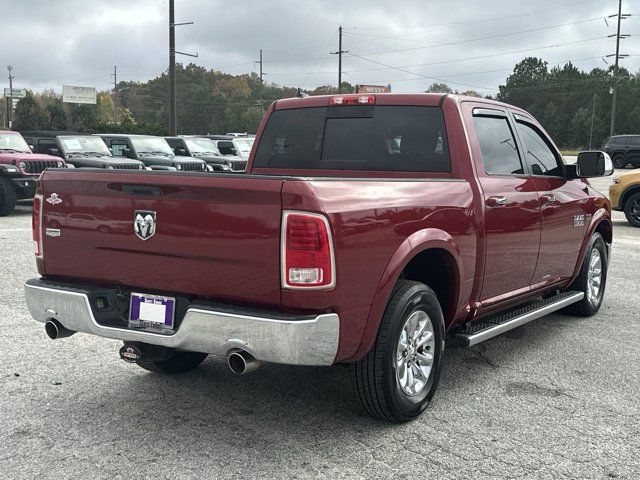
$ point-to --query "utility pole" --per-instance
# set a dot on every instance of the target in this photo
(173, 117)
(593, 114)
(261, 81)
(10, 101)
(614, 99)
(115, 94)
(339, 53)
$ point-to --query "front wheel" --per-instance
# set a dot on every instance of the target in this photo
(592, 278)
(397, 379)
(632, 210)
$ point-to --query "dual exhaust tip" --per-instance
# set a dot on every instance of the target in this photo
(239, 361)
(56, 330)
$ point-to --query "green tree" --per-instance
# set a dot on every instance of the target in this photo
(29, 115)
(82, 117)
(439, 88)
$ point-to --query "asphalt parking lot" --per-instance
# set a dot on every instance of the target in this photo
(557, 398)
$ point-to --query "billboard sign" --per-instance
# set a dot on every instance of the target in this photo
(373, 89)
(17, 92)
(71, 94)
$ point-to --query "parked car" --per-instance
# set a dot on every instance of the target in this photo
(624, 150)
(204, 149)
(78, 150)
(625, 196)
(228, 147)
(153, 152)
(336, 249)
(19, 170)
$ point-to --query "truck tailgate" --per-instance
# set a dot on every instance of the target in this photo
(215, 236)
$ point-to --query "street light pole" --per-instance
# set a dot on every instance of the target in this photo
(10, 101)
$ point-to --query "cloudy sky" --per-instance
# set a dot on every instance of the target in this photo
(408, 44)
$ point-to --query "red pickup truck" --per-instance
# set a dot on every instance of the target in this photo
(368, 230)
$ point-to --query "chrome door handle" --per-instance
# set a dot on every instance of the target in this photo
(498, 201)
(549, 198)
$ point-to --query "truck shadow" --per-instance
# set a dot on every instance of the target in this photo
(280, 406)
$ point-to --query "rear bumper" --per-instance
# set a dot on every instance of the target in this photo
(278, 338)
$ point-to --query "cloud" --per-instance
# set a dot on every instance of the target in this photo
(468, 44)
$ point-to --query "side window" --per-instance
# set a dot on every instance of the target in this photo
(117, 146)
(634, 141)
(539, 154)
(498, 145)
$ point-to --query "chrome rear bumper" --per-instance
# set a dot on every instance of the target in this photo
(304, 340)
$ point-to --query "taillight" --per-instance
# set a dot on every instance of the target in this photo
(36, 220)
(353, 100)
(307, 251)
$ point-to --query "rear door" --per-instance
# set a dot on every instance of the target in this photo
(633, 154)
(563, 204)
(511, 206)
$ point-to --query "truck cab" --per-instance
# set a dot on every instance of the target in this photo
(19, 169)
(154, 152)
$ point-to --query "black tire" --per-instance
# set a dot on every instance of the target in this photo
(378, 387)
(178, 362)
(619, 161)
(632, 209)
(7, 197)
(588, 306)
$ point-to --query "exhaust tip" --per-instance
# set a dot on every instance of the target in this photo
(241, 362)
(55, 330)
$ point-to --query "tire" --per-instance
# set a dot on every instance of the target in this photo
(632, 209)
(7, 197)
(619, 161)
(177, 362)
(377, 376)
(590, 304)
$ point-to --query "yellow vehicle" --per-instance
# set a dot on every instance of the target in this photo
(625, 196)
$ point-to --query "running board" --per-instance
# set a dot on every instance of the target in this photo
(488, 328)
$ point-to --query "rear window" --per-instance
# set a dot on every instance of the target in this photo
(381, 138)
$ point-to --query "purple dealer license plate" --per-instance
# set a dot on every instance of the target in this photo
(152, 310)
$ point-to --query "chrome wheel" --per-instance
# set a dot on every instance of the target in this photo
(414, 354)
(594, 277)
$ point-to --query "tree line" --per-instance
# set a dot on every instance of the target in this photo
(566, 100)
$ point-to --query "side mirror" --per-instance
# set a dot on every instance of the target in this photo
(54, 151)
(126, 152)
(31, 147)
(180, 151)
(594, 164)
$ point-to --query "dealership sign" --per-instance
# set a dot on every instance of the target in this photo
(373, 89)
(17, 92)
(71, 94)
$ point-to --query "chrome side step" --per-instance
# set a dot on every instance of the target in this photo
(494, 326)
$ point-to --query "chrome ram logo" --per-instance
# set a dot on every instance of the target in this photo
(144, 224)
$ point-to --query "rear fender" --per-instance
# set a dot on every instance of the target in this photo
(418, 242)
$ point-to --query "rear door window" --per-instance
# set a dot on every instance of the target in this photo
(381, 138)
(498, 146)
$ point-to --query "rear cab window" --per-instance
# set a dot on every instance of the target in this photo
(385, 138)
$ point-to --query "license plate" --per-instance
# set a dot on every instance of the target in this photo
(152, 310)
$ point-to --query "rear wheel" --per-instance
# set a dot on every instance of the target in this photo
(7, 197)
(619, 161)
(592, 278)
(397, 379)
(632, 209)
